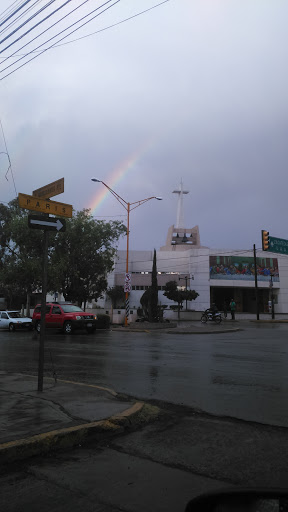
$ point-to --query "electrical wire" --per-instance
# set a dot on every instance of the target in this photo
(113, 25)
(19, 17)
(9, 160)
(43, 32)
(27, 21)
(56, 45)
(9, 9)
(196, 261)
(64, 37)
(15, 12)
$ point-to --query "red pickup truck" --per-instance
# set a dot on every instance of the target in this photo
(64, 316)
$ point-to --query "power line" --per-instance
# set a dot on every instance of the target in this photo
(113, 25)
(189, 262)
(15, 12)
(10, 9)
(64, 37)
(10, 165)
(27, 21)
(55, 45)
(43, 32)
(19, 17)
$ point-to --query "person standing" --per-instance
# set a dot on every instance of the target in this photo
(232, 309)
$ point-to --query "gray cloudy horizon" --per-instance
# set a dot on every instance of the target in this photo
(204, 82)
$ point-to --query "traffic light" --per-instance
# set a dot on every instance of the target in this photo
(265, 240)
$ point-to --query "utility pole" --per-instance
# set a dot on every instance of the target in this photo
(256, 283)
(272, 298)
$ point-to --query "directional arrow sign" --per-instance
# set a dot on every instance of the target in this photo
(46, 223)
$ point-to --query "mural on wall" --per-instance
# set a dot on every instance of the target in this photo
(241, 268)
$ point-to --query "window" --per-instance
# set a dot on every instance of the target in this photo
(56, 310)
(4, 316)
(70, 308)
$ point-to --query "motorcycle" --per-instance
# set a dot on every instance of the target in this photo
(208, 316)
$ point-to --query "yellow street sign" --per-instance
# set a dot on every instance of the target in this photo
(44, 205)
(53, 189)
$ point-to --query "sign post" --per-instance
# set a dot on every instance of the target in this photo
(40, 202)
(43, 312)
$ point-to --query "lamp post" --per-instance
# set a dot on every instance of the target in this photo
(128, 207)
(272, 297)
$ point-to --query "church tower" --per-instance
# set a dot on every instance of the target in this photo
(180, 238)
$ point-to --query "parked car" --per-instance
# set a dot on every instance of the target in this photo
(13, 320)
(64, 316)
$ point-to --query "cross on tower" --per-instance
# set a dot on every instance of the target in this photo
(180, 213)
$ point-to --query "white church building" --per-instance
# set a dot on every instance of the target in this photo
(216, 274)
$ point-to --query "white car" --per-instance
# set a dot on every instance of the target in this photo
(13, 320)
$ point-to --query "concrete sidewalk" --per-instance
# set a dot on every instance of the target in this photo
(64, 414)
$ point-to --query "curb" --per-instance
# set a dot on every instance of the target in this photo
(269, 321)
(64, 438)
(206, 332)
(177, 331)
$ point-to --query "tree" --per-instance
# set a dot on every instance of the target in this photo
(172, 293)
(149, 299)
(153, 309)
(21, 255)
(116, 294)
(78, 259)
(83, 256)
(145, 302)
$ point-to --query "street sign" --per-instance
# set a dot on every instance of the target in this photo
(44, 205)
(46, 223)
(128, 277)
(53, 189)
(279, 245)
(127, 287)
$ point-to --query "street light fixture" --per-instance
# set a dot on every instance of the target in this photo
(128, 209)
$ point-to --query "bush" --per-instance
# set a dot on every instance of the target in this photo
(103, 321)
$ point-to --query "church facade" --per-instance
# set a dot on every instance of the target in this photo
(218, 275)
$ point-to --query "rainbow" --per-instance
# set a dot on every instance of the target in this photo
(117, 175)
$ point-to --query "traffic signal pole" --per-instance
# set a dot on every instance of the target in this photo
(256, 283)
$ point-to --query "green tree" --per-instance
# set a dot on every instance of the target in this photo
(116, 294)
(83, 256)
(153, 309)
(172, 293)
(21, 255)
(145, 302)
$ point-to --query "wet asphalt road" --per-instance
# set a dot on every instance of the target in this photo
(241, 374)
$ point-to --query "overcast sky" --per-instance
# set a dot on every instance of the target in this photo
(193, 89)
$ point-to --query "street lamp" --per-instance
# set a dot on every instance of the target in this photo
(128, 209)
